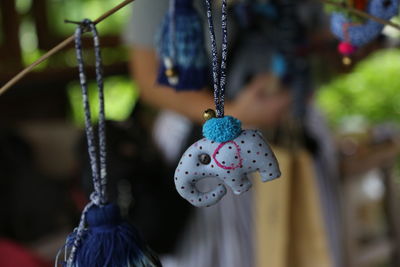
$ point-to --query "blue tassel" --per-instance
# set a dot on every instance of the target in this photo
(361, 34)
(183, 58)
(109, 241)
(103, 238)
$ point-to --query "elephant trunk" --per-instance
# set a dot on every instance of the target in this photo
(186, 187)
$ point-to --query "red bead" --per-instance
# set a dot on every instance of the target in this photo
(346, 49)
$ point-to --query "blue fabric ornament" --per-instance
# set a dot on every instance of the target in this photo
(359, 34)
(222, 129)
(181, 48)
(103, 238)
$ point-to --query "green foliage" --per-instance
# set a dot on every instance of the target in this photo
(23, 6)
(372, 90)
(74, 10)
(29, 44)
(80, 9)
(334, 9)
(120, 96)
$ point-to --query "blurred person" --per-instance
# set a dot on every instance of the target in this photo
(220, 235)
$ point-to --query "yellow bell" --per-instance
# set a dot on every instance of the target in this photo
(346, 61)
(171, 72)
(208, 114)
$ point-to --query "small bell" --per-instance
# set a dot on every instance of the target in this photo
(208, 114)
(346, 61)
(171, 71)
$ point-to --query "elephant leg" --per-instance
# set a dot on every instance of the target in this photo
(239, 186)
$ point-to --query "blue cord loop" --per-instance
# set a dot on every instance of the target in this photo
(97, 152)
(97, 162)
(219, 75)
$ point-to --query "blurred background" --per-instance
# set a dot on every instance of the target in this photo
(43, 154)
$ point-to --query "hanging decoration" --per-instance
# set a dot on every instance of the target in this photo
(102, 238)
(226, 152)
(353, 33)
(181, 49)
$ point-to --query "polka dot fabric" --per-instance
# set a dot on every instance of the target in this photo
(230, 162)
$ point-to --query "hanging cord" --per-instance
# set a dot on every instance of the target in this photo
(219, 75)
(97, 161)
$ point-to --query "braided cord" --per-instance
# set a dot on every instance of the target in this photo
(219, 75)
(224, 53)
(97, 161)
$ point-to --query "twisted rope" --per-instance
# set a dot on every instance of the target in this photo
(97, 160)
(219, 75)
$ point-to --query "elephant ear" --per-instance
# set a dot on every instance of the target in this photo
(227, 156)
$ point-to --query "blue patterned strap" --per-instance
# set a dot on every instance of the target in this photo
(97, 162)
(219, 75)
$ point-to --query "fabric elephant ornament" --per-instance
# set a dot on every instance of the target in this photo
(226, 153)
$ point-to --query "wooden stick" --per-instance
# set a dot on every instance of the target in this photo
(57, 48)
(361, 13)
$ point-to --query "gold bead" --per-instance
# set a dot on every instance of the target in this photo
(171, 72)
(208, 114)
(346, 61)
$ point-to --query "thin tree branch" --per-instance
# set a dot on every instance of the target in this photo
(57, 48)
(361, 13)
